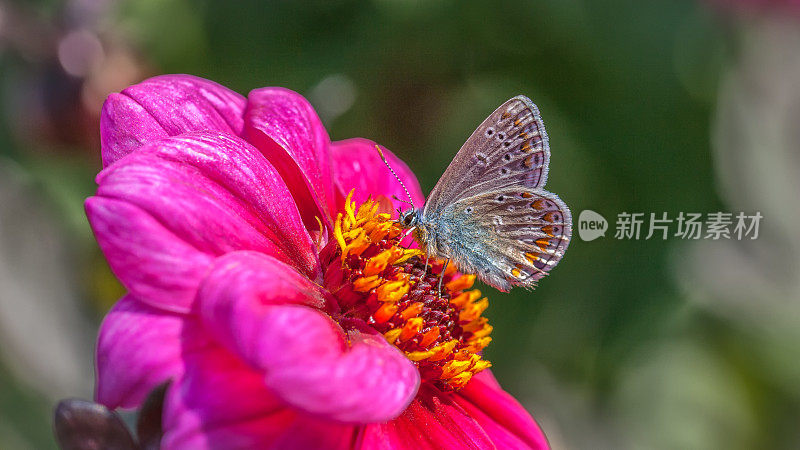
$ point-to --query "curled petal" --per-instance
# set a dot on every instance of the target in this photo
(357, 165)
(284, 126)
(367, 381)
(151, 261)
(223, 403)
(506, 422)
(138, 347)
(305, 357)
(260, 277)
(163, 106)
(166, 211)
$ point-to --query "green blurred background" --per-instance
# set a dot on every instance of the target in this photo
(655, 106)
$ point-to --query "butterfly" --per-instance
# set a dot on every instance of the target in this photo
(489, 213)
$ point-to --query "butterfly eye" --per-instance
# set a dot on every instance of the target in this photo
(500, 198)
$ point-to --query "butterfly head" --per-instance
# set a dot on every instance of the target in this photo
(409, 218)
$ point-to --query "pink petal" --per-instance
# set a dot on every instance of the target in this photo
(369, 381)
(432, 421)
(306, 358)
(151, 261)
(138, 347)
(357, 165)
(310, 433)
(487, 377)
(201, 195)
(506, 422)
(163, 106)
(263, 278)
(218, 191)
(223, 403)
(284, 126)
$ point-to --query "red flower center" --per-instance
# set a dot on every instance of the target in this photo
(390, 287)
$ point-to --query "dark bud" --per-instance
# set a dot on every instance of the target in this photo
(83, 425)
(148, 426)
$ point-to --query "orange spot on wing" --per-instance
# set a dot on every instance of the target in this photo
(550, 217)
(529, 162)
(549, 230)
(543, 243)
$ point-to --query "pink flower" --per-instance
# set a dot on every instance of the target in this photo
(284, 316)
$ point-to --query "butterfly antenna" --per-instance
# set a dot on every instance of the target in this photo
(394, 197)
(383, 158)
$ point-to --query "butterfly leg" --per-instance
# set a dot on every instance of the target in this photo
(405, 235)
(427, 258)
(441, 277)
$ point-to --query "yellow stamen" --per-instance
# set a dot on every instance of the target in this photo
(419, 356)
(460, 380)
(411, 328)
(478, 344)
(483, 332)
(454, 368)
(378, 263)
(442, 351)
(337, 232)
(392, 335)
(407, 254)
(443, 338)
(350, 206)
(385, 312)
(475, 325)
(366, 284)
(392, 291)
(463, 282)
(466, 297)
(430, 337)
(473, 310)
(412, 311)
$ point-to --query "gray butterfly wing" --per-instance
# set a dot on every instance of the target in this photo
(510, 148)
(509, 237)
(489, 211)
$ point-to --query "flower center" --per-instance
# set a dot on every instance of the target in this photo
(389, 287)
